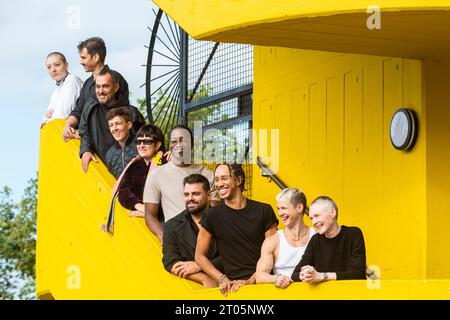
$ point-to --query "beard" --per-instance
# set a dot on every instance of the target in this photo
(200, 208)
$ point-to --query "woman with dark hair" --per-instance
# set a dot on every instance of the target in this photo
(150, 146)
(67, 91)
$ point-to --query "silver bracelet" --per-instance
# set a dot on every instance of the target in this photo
(222, 277)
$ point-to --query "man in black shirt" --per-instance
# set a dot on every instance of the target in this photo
(180, 234)
(239, 226)
(94, 129)
(92, 57)
(335, 252)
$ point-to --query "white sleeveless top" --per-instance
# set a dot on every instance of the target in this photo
(288, 256)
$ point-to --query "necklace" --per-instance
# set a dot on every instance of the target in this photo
(300, 238)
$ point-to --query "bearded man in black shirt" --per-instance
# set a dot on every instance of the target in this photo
(335, 252)
(239, 225)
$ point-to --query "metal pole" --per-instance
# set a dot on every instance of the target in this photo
(184, 75)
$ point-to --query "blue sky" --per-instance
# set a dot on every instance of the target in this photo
(29, 30)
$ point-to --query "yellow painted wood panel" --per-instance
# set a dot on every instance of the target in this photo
(335, 139)
(317, 131)
(436, 81)
(372, 158)
(344, 149)
(413, 29)
(353, 148)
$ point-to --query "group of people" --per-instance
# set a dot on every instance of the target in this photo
(209, 231)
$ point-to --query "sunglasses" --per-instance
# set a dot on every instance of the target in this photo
(146, 142)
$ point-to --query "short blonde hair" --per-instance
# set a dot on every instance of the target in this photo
(294, 196)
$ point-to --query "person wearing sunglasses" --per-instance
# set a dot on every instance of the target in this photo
(150, 147)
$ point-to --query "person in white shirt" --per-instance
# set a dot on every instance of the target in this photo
(281, 252)
(164, 185)
(67, 91)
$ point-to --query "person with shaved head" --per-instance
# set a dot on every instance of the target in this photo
(335, 252)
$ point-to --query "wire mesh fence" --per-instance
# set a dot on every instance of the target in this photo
(225, 124)
(230, 66)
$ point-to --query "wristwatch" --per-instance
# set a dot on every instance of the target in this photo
(325, 276)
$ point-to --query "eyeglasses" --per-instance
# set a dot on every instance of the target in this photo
(146, 142)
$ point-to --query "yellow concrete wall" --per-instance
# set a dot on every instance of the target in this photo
(437, 99)
(333, 113)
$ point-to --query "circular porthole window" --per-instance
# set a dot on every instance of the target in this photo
(403, 129)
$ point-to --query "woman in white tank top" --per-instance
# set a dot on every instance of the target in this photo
(281, 253)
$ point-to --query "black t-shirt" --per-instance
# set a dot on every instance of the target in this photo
(103, 133)
(239, 235)
(344, 254)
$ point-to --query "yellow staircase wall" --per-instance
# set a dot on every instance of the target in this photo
(76, 260)
(333, 113)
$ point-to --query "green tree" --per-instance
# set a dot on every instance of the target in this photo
(18, 243)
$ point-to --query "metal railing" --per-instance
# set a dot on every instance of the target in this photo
(266, 172)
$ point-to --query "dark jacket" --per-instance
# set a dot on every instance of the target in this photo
(117, 159)
(131, 188)
(179, 241)
(88, 129)
(88, 91)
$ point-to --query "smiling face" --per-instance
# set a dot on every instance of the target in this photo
(289, 214)
(195, 198)
(225, 182)
(56, 67)
(323, 216)
(120, 129)
(105, 89)
(147, 147)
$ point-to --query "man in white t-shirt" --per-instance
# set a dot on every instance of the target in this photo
(164, 185)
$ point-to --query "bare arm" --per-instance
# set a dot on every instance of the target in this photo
(151, 219)
(203, 242)
(266, 261)
(190, 270)
(202, 278)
